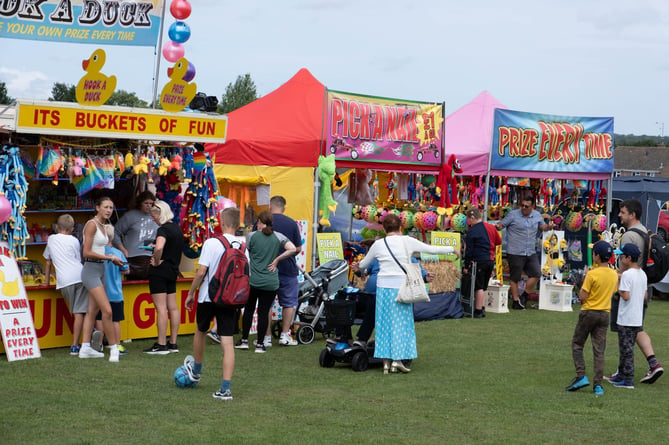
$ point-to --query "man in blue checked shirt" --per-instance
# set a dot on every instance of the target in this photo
(522, 226)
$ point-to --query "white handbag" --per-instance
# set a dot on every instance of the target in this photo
(413, 288)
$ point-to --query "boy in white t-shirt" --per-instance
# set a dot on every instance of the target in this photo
(633, 291)
(64, 251)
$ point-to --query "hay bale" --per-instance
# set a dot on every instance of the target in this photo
(446, 276)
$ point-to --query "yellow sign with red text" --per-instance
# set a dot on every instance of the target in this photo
(71, 119)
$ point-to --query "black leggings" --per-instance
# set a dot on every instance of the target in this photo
(265, 298)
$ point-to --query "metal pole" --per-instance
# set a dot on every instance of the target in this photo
(157, 53)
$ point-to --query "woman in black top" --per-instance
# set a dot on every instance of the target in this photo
(163, 275)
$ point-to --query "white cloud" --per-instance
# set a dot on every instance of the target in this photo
(26, 84)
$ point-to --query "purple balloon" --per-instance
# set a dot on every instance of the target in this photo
(173, 51)
(5, 209)
(190, 72)
(179, 32)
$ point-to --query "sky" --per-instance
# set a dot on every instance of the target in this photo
(596, 58)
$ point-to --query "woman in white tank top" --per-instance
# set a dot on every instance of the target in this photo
(92, 276)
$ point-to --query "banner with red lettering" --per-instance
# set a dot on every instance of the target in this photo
(374, 129)
(16, 321)
(546, 143)
(128, 22)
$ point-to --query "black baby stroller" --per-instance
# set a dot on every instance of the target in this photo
(318, 287)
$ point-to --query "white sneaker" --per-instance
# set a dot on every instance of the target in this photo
(267, 341)
(88, 352)
(114, 355)
(287, 340)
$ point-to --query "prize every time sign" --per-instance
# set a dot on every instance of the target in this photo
(117, 122)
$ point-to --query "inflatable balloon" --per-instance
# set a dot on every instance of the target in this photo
(459, 222)
(369, 213)
(190, 73)
(223, 203)
(406, 219)
(574, 221)
(180, 9)
(179, 32)
(418, 220)
(173, 51)
(356, 211)
(5, 209)
(429, 221)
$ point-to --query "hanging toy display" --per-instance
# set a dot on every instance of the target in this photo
(198, 212)
(574, 221)
(13, 192)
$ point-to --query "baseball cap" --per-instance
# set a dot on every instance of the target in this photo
(629, 249)
(603, 249)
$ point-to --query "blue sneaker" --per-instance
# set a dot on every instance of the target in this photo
(74, 349)
(598, 390)
(578, 383)
(628, 384)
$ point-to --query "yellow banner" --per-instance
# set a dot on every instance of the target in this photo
(329, 247)
(71, 119)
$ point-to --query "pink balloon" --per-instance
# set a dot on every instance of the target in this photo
(223, 203)
(5, 209)
(173, 51)
(180, 9)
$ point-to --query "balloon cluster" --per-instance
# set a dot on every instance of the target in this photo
(179, 33)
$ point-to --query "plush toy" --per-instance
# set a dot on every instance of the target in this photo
(176, 162)
(78, 165)
(326, 203)
(447, 179)
(362, 194)
(164, 166)
(142, 167)
(129, 160)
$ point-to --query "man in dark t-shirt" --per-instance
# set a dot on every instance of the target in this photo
(288, 270)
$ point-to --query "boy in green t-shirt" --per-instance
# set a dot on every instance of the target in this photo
(599, 285)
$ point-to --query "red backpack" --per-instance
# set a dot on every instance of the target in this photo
(230, 284)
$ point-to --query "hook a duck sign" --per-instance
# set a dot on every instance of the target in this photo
(178, 93)
(95, 88)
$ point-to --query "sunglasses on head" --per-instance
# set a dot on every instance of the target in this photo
(526, 206)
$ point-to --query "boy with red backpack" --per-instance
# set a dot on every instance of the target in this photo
(213, 250)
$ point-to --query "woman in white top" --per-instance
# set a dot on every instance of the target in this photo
(93, 278)
(395, 338)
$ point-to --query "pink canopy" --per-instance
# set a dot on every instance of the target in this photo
(468, 133)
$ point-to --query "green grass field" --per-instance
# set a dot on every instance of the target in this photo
(496, 380)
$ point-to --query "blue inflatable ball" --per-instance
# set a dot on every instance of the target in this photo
(182, 379)
(179, 32)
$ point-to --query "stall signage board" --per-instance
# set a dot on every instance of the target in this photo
(553, 144)
(442, 239)
(16, 321)
(71, 119)
(129, 23)
(374, 129)
(329, 247)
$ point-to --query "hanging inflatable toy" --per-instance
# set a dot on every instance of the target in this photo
(406, 219)
(429, 220)
(418, 220)
(459, 222)
(574, 221)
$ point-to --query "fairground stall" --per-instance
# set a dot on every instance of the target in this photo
(72, 154)
(394, 152)
(566, 164)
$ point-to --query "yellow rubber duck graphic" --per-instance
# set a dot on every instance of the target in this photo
(95, 88)
(10, 289)
(177, 93)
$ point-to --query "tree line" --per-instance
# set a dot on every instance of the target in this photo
(237, 94)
